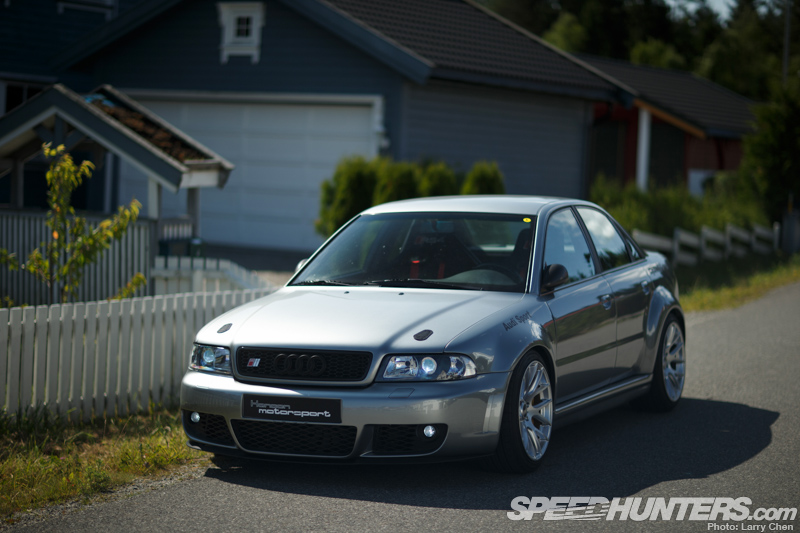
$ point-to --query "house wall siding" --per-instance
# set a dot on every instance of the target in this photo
(179, 50)
(539, 141)
(713, 153)
(31, 31)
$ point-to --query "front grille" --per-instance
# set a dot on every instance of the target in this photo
(210, 428)
(299, 439)
(398, 439)
(303, 365)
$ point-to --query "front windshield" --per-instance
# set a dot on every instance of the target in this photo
(435, 250)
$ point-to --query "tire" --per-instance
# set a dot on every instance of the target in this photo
(669, 370)
(527, 422)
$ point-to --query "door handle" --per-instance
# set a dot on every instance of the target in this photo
(646, 287)
(606, 301)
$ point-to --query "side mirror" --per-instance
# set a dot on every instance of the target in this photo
(554, 275)
(300, 264)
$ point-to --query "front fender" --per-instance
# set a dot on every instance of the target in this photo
(498, 342)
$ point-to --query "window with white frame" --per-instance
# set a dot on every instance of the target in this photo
(241, 29)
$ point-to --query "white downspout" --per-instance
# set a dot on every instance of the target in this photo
(643, 150)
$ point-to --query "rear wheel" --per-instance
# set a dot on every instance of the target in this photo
(669, 371)
(527, 418)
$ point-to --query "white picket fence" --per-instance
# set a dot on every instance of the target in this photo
(711, 245)
(172, 275)
(98, 359)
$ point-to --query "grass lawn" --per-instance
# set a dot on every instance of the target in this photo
(731, 283)
(44, 460)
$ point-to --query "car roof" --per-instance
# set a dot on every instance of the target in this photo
(506, 204)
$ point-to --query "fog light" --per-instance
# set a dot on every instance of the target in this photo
(196, 417)
(429, 431)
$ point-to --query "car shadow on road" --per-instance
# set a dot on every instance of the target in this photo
(614, 454)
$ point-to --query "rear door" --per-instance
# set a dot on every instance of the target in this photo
(624, 269)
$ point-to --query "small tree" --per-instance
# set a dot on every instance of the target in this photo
(75, 243)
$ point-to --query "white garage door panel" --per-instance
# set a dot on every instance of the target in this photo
(282, 153)
(280, 178)
(275, 148)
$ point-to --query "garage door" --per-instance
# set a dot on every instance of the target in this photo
(282, 153)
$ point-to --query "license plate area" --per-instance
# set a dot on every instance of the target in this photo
(292, 409)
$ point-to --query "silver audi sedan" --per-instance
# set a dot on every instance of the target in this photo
(441, 328)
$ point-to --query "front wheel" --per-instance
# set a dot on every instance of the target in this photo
(527, 418)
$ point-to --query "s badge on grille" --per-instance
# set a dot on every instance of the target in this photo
(253, 361)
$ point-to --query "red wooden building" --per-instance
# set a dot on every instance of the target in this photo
(680, 128)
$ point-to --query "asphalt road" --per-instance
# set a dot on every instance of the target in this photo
(735, 434)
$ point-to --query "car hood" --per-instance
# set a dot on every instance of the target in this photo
(375, 319)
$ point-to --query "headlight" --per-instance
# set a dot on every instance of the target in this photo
(426, 368)
(211, 359)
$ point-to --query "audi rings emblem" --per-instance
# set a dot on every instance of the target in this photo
(298, 365)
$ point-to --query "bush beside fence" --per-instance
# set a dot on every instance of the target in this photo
(100, 359)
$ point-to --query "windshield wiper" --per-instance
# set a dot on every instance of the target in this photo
(323, 282)
(421, 283)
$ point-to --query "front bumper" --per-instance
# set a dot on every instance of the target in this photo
(466, 414)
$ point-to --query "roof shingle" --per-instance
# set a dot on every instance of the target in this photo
(714, 109)
(459, 36)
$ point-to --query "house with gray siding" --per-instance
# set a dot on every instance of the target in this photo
(283, 89)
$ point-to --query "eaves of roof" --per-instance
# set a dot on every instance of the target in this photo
(18, 127)
(696, 105)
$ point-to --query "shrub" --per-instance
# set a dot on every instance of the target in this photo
(484, 178)
(349, 192)
(358, 184)
(728, 199)
(396, 181)
(437, 179)
(626, 204)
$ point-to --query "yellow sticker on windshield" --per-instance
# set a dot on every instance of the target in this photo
(526, 219)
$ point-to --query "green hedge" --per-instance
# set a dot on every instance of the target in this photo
(347, 193)
(484, 178)
(358, 184)
(727, 199)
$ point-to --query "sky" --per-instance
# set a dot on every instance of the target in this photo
(720, 6)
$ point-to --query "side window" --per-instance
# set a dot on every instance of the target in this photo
(610, 247)
(635, 255)
(566, 245)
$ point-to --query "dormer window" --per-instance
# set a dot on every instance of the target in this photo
(244, 27)
(241, 29)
